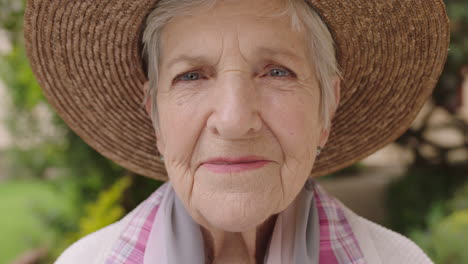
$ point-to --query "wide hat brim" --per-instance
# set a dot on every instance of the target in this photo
(86, 55)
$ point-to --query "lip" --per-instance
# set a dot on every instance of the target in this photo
(229, 165)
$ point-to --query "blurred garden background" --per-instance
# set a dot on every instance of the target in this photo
(55, 189)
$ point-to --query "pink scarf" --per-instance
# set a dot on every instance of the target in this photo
(313, 229)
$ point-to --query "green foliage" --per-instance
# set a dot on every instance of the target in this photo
(460, 201)
(446, 238)
(26, 164)
(16, 72)
(105, 211)
(411, 197)
(11, 17)
(23, 205)
(450, 239)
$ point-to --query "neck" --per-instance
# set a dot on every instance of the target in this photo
(242, 247)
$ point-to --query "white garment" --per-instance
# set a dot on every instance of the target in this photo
(378, 244)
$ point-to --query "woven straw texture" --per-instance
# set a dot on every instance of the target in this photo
(86, 57)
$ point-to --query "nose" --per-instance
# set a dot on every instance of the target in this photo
(236, 107)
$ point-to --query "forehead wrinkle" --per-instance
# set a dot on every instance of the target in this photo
(236, 45)
(195, 59)
(220, 54)
(264, 52)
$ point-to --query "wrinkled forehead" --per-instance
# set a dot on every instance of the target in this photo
(251, 26)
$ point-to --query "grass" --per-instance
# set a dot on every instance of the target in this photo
(23, 205)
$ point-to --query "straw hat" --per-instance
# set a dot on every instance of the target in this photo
(86, 55)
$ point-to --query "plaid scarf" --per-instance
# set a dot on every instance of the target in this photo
(338, 245)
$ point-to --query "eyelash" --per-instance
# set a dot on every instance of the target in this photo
(290, 73)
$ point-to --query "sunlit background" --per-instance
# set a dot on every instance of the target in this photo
(55, 189)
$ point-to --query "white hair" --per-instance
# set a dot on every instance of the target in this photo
(303, 17)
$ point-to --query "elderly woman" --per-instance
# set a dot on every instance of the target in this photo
(241, 96)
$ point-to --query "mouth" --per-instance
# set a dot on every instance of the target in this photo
(229, 165)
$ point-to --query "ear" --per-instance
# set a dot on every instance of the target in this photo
(148, 108)
(325, 133)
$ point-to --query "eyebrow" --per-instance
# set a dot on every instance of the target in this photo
(265, 51)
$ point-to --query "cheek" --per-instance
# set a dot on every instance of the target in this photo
(294, 120)
(180, 127)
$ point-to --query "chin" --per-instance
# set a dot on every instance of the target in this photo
(237, 212)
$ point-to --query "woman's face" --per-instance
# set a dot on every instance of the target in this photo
(238, 104)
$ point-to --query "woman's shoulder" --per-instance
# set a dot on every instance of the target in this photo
(95, 247)
(99, 241)
(381, 245)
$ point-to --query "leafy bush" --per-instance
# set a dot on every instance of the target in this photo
(105, 211)
(411, 198)
(24, 206)
(460, 201)
(446, 238)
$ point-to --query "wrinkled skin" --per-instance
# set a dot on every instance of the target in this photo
(235, 82)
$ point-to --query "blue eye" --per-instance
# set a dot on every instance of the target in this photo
(189, 76)
(278, 72)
